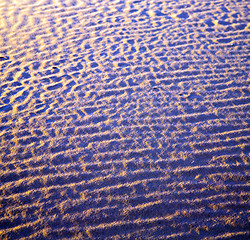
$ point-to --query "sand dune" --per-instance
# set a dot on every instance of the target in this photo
(124, 119)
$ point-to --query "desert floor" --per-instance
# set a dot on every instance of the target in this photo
(124, 119)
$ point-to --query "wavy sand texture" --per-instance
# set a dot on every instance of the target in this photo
(124, 119)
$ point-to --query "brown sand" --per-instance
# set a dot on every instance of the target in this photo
(124, 119)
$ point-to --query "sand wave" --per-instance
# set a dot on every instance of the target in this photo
(124, 119)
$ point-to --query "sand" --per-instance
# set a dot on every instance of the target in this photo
(124, 119)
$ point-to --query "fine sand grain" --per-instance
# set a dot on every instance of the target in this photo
(124, 119)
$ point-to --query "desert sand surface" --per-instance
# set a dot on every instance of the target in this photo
(124, 119)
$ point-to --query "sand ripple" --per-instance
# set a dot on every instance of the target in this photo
(124, 119)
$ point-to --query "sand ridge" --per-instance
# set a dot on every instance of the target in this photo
(124, 119)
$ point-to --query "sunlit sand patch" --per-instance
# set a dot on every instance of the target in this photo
(124, 119)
